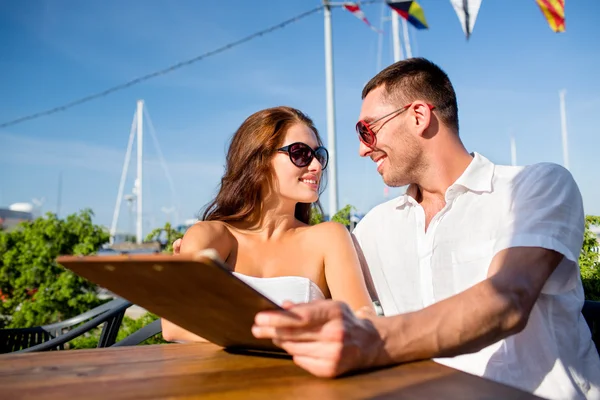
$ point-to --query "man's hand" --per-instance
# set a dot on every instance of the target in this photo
(177, 246)
(325, 337)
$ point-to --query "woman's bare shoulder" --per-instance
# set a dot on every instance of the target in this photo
(328, 232)
(203, 228)
(208, 234)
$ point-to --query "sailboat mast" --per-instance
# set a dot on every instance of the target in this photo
(138, 181)
(332, 165)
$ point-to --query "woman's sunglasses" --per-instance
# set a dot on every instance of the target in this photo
(365, 132)
(301, 154)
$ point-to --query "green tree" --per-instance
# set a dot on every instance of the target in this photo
(165, 236)
(35, 289)
(589, 260)
(316, 216)
(343, 215)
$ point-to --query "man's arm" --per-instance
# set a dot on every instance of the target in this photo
(490, 311)
(328, 340)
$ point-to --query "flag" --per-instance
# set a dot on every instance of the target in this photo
(467, 13)
(411, 11)
(554, 11)
(354, 8)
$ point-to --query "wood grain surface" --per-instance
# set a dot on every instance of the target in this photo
(206, 371)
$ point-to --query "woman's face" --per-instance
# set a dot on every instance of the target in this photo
(299, 184)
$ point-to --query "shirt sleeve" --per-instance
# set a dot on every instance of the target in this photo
(546, 210)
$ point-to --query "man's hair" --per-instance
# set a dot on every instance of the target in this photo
(418, 79)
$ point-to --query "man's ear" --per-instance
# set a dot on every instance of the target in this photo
(421, 116)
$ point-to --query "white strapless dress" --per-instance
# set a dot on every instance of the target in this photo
(296, 289)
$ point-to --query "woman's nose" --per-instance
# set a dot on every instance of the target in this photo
(315, 165)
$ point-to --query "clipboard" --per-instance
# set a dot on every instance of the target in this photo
(196, 292)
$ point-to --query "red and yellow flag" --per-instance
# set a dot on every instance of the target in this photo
(554, 11)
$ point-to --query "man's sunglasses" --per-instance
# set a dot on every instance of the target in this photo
(301, 154)
(366, 134)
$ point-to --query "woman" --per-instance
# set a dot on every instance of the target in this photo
(259, 221)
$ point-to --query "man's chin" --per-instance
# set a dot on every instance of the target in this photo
(394, 183)
(390, 182)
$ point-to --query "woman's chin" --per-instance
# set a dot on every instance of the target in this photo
(308, 199)
(301, 196)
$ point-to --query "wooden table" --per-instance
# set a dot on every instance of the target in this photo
(204, 370)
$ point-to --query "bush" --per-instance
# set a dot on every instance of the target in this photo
(316, 216)
(589, 261)
(165, 236)
(34, 289)
(342, 216)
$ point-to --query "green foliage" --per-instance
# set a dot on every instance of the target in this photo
(166, 236)
(589, 261)
(35, 289)
(343, 215)
(316, 216)
(128, 327)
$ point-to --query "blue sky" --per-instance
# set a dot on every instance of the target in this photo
(507, 78)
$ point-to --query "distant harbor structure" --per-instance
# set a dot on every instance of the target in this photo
(15, 214)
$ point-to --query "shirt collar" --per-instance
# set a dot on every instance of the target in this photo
(477, 177)
(409, 196)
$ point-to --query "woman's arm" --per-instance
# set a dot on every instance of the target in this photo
(343, 271)
(203, 235)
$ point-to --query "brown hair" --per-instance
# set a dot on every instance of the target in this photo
(418, 78)
(248, 168)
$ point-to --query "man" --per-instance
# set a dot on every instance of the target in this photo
(475, 266)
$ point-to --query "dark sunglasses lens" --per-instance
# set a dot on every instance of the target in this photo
(322, 156)
(301, 154)
(364, 134)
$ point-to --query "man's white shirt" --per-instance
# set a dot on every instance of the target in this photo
(488, 209)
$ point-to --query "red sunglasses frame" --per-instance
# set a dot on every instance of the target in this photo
(367, 125)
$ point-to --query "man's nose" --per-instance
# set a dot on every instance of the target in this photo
(364, 150)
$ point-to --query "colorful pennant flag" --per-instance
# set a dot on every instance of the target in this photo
(554, 11)
(354, 8)
(411, 11)
(467, 11)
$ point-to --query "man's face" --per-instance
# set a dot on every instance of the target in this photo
(396, 152)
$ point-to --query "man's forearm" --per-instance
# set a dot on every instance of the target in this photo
(464, 323)
(493, 309)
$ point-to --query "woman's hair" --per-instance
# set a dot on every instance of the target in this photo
(248, 169)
